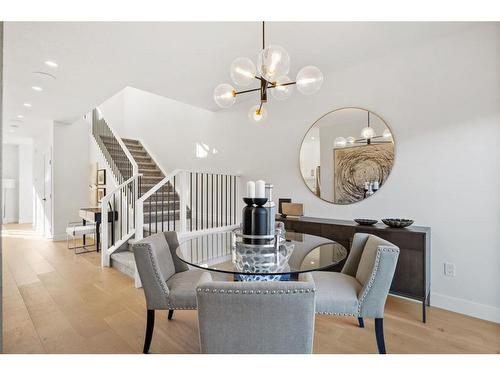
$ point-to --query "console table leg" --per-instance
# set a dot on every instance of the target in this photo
(424, 318)
(84, 222)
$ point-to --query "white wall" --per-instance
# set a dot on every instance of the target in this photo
(170, 130)
(42, 210)
(10, 170)
(113, 111)
(26, 183)
(71, 173)
(18, 162)
(442, 102)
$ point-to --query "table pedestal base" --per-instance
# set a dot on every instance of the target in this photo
(262, 278)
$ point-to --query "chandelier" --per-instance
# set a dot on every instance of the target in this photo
(368, 137)
(273, 65)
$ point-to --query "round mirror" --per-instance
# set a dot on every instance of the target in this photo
(347, 155)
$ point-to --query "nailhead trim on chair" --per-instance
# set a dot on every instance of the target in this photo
(171, 307)
(159, 279)
(155, 268)
(330, 313)
(251, 291)
(374, 274)
(369, 286)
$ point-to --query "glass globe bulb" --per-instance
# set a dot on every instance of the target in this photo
(224, 95)
(273, 62)
(257, 115)
(282, 92)
(309, 80)
(350, 140)
(367, 133)
(340, 142)
(387, 134)
(243, 71)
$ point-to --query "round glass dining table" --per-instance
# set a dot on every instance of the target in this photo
(218, 252)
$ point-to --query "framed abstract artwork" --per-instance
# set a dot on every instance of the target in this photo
(357, 165)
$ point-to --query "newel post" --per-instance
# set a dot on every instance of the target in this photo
(104, 233)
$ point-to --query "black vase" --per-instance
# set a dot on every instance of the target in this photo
(259, 221)
(246, 219)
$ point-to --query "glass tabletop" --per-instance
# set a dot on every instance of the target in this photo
(299, 253)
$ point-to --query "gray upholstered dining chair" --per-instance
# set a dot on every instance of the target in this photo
(256, 317)
(168, 284)
(361, 288)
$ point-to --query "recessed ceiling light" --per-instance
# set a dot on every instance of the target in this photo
(52, 64)
(37, 88)
(27, 105)
(20, 116)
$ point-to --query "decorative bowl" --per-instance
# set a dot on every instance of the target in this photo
(366, 221)
(397, 223)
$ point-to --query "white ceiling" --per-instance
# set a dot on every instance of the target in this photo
(183, 61)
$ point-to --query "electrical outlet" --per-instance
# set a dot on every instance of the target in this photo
(449, 269)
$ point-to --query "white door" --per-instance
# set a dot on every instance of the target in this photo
(47, 194)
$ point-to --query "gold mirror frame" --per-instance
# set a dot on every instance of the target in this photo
(319, 119)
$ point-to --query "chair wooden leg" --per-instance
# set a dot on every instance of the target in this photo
(361, 322)
(149, 331)
(170, 314)
(379, 334)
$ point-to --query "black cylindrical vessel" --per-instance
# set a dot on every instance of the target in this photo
(246, 219)
(259, 221)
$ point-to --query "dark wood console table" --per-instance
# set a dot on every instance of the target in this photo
(412, 276)
(93, 215)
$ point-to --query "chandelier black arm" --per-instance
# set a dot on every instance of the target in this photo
(284, 84)
(245, 91)
(271, 86)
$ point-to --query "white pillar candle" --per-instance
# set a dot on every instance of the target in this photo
(375, 185)
(260, 189)
(250, 189)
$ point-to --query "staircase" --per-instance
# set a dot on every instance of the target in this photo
(147, 201)
(157, 213)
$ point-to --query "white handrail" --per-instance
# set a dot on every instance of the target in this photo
(163, 181)
(108, 196)
(183, 189)
(135, 167)
(139, 208)
(171, 175)
(105, 254)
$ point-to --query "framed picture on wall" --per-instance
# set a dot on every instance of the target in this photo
(101, 192)
(101, 177)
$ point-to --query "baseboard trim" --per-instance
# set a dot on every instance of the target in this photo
(59, 237)
(10, 220)
(462, 306)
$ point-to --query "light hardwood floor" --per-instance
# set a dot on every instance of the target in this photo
(59, 302)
